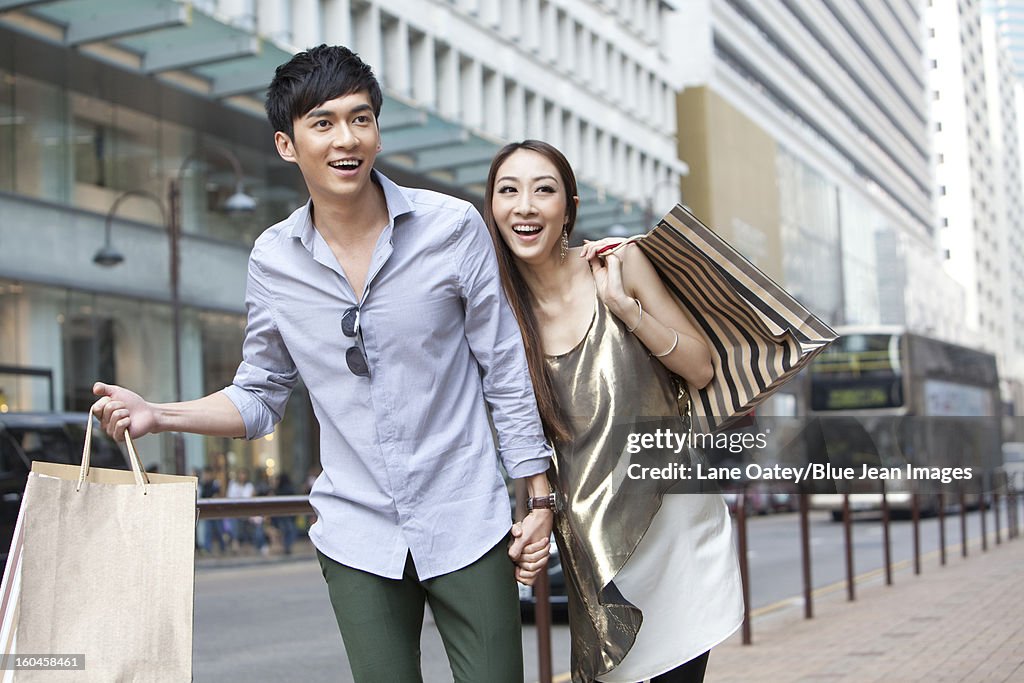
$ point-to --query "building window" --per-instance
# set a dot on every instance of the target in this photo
(88, 354)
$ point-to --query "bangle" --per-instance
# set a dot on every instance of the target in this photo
(638, 320)
(672, 348)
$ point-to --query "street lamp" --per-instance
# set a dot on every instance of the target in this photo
(108, 256)
(239, 202)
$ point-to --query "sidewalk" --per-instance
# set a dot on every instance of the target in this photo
(961, 622)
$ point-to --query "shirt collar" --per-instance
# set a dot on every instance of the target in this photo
(395, 197)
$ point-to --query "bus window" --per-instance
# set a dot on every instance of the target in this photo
(858, 372)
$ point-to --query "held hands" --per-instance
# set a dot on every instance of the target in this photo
(119, 409)
(531, 545)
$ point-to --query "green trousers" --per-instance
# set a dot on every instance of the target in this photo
(476, 610)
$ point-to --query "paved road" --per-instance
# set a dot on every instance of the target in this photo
(272, 622)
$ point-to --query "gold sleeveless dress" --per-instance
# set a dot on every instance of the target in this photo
(610, 387)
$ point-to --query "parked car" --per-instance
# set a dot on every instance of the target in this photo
(50, 437)
(762, 498)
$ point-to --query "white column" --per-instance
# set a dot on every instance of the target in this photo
(634, 181)
(651, 23)
(548, 32)
(614, 72)
(668, 102)
(588, 155)
(584, 63)
(424, 71)
(553, 124)
(534, 116)
(490, 14)
(448, 103)
(471, 83)
(367, 35)
(241, 13)
(629, 89)
(273, 19)
(494, 104)
(511, 18)
(515, 111)
(604, 171)
(531, 20)
(337, 18)
(618, 166)
(567, 43)
(571, 144)
(599, 58)
(306, 24)
(396, 57)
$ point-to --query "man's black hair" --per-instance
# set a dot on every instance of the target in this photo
(313, 77)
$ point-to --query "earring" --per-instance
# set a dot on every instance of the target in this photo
(564, 243)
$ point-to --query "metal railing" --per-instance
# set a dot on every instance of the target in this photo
(270, 506)
(1002, 497)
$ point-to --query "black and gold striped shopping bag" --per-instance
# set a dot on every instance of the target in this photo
(759, 335)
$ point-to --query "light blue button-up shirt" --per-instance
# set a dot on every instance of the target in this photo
(409, 460)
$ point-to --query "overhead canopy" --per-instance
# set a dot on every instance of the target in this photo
(182, 46)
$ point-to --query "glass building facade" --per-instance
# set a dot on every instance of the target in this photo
(75, 136)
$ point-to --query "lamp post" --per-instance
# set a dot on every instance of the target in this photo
(109, 256)
(238, 202)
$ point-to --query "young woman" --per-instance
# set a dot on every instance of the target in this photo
(653, 578)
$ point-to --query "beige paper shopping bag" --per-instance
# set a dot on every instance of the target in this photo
(106, 573)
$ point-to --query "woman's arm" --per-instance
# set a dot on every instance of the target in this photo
(627, 277)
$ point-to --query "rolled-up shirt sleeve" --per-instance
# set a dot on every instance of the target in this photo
(494, 338)
(267, 373)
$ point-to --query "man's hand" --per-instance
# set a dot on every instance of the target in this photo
(119, 409)
(531, 545)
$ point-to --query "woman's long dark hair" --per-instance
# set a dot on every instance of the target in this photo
(518, 294)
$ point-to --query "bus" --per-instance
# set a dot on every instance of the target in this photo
(913, 400)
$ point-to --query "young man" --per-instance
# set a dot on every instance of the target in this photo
(387, 302)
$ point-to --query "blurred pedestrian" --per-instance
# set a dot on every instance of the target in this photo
(213, 529)
(286, 524)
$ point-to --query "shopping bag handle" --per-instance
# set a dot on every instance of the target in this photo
(141, 477)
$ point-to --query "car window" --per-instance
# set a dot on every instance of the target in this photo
(48, 443)
(105, 452)
(11, 462)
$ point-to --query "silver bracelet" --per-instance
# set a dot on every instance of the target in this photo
(672, 348)
(638, 320)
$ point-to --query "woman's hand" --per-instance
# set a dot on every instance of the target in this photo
(592, 249)
(607, 272)
(530, 549)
